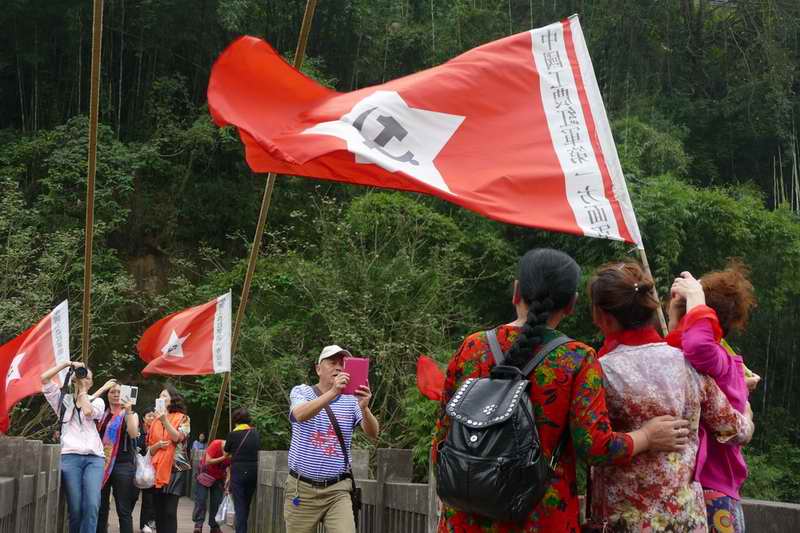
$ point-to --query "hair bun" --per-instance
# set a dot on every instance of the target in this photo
(642, 287)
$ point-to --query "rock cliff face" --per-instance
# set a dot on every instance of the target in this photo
(150, 272)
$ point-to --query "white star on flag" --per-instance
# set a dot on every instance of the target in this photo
(13, 371)
(382, 129)
(174, 346)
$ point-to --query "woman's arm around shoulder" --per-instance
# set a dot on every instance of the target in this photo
(726, 423)
(594, 438)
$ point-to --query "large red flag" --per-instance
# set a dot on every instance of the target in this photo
(191, 342)
(515, 130)
(25, 358)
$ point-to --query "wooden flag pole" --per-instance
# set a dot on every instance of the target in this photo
(94, 105)
(299, 55)
(661, 319)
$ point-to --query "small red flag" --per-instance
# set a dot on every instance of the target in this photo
(191, 342)
(430, 378)
(25, 358)
(515, 130)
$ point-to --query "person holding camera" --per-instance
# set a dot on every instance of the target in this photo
(82, 456)
(323, 419)
(119, 428)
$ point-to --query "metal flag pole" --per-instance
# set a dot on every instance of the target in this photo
(94, 105)
(299, 55)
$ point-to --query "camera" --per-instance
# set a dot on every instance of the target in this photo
(81, 372)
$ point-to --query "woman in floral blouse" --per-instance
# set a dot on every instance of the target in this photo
(566, 392)
(646, 377)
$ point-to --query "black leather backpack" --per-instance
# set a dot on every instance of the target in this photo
(491, 462)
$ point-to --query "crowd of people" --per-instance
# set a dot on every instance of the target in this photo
(101, 438)
(658, 421)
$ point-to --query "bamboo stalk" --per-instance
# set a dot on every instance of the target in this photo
(302, 41)
(94, 107)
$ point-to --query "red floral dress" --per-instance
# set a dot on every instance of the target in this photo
(567, 393)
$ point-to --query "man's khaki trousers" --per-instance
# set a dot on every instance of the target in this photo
(330, 505)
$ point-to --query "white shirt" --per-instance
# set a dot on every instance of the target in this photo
(79, 433)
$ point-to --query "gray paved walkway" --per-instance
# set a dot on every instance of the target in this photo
(184, 518)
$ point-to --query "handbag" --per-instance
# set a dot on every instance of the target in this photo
(206, 479)
(179, 462)
(203, 477)
(355, 493)
(145, 476)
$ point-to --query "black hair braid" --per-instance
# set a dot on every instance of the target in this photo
(547, 282)
(531, 333)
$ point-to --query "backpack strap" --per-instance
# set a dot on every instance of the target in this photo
(543, 352)
(536, 360)
(494, 345)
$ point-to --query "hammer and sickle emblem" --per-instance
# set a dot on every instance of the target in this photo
(392, 129)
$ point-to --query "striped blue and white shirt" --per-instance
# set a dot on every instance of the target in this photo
(315, 451)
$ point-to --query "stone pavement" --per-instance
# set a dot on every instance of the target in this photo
(185, 524)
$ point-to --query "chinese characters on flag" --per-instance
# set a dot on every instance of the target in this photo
(191, 342)
(514, 130)
(24, 359)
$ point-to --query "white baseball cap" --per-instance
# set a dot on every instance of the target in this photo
(330, 351)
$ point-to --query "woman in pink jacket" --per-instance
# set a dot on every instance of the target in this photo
(698, 329)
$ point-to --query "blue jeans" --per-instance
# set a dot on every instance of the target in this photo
(201, 494)
(82, 477)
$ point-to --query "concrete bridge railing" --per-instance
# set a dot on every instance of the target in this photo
(30, 495)
(30, 483)
(393, 504)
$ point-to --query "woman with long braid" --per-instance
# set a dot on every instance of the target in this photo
(566, 391)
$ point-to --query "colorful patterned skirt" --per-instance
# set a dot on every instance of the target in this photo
(725, 514)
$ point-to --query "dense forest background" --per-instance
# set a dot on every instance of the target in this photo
(703, 96)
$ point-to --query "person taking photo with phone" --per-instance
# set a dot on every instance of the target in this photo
(166, 441)
(82, 456)
(119, 430)
(320, 485)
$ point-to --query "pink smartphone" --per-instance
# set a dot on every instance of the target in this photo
(358, 368)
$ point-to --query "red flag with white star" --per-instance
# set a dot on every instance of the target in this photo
(191, 342)
(515, 130)
(24, 359)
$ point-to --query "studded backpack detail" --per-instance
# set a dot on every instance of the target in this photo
(491, 462)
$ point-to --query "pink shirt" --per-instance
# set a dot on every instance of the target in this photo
(720, 466)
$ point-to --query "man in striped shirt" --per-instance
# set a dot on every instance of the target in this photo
(318, 487)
